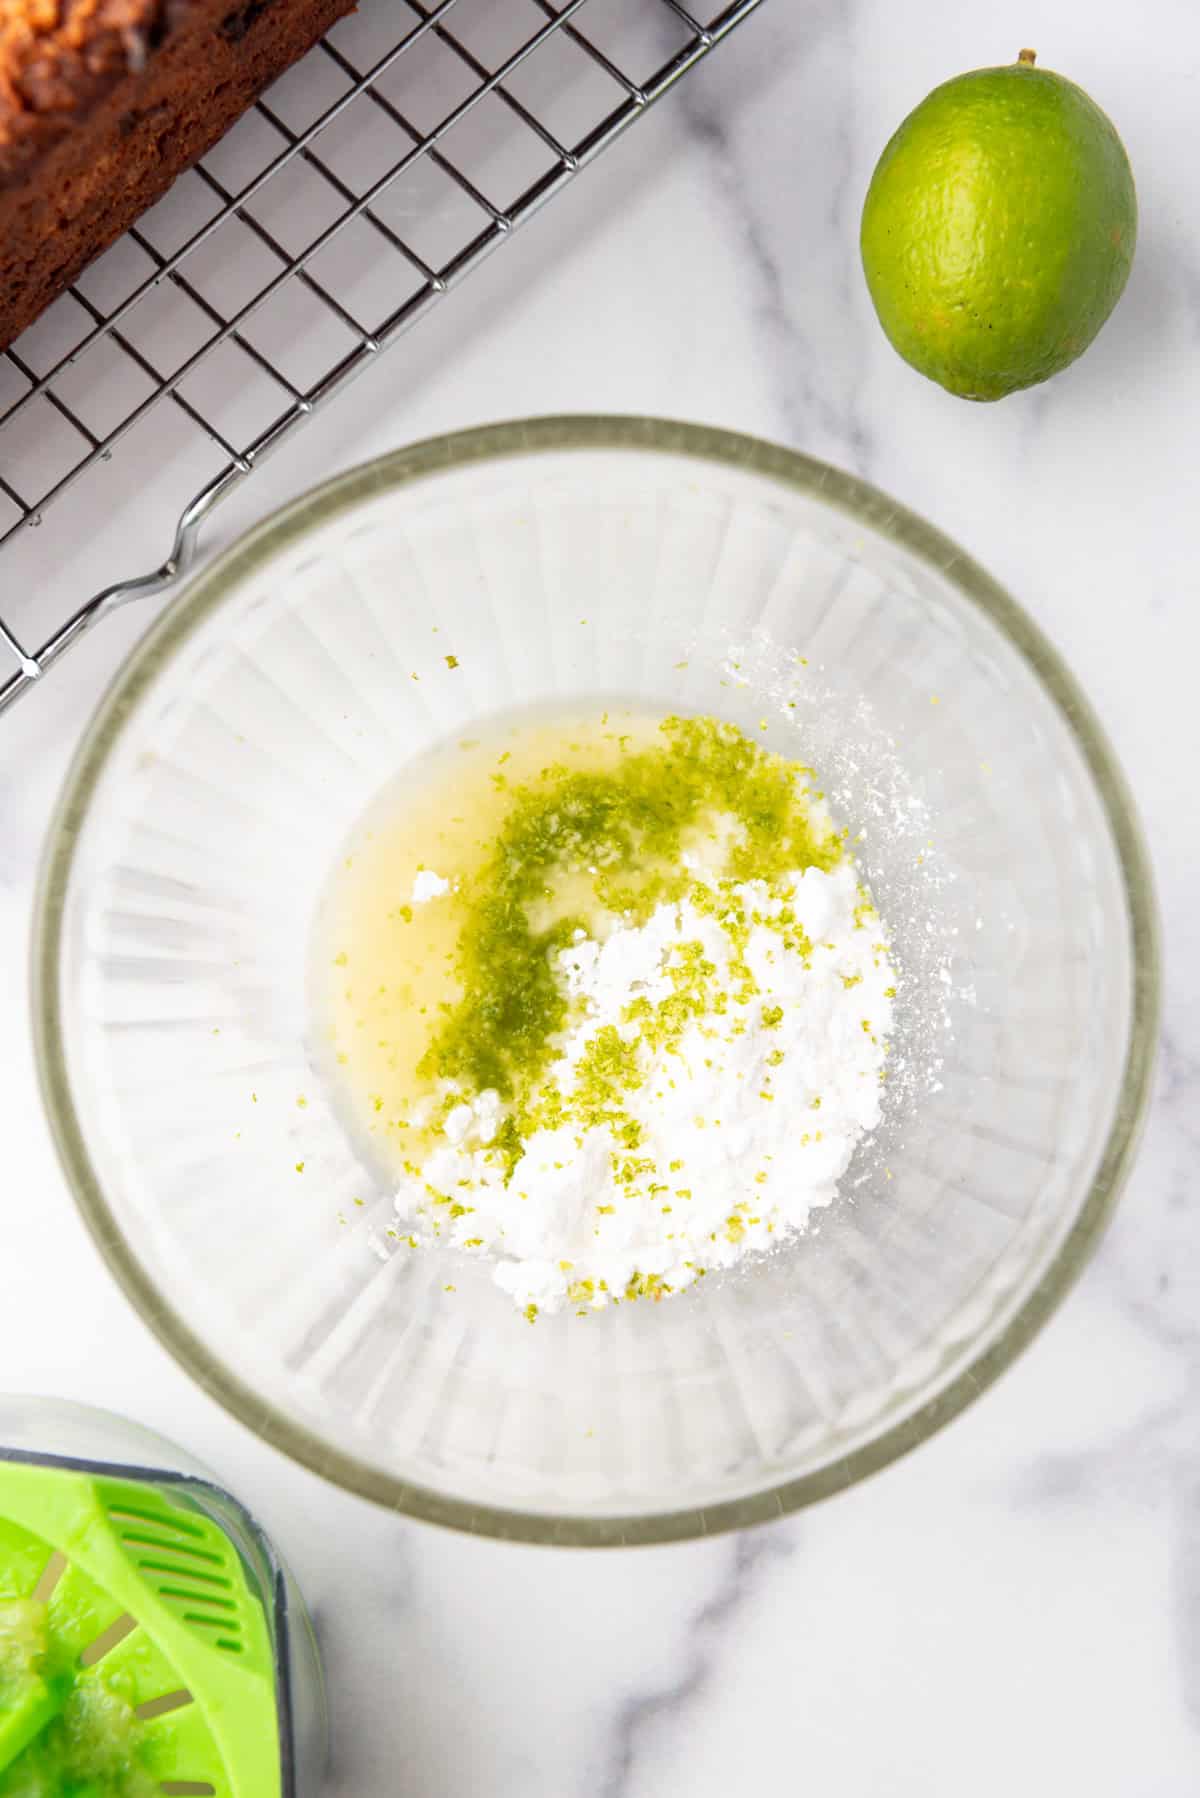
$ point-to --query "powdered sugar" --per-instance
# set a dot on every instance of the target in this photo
(720, 1065)
(427, 885)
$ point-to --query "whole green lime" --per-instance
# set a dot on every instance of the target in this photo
(999, 229)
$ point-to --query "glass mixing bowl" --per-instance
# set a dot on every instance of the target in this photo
(564, 564)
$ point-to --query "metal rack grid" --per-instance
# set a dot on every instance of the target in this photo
(363, 187)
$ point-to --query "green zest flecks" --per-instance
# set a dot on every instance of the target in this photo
(626, 828)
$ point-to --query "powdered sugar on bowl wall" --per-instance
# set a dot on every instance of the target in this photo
(893, 835)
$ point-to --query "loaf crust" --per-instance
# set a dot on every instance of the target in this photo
(104, 102)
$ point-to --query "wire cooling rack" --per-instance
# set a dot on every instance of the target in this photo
(365, 185)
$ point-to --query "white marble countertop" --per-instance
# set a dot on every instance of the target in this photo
(1016, 1607)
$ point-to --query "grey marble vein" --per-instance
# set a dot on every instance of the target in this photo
(784, 166)
(710, 1637)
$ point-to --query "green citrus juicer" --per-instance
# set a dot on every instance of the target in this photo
(148, 1638)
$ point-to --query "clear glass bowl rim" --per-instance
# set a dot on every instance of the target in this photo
(403, 468)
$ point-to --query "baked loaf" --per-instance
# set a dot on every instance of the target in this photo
(104, 102)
